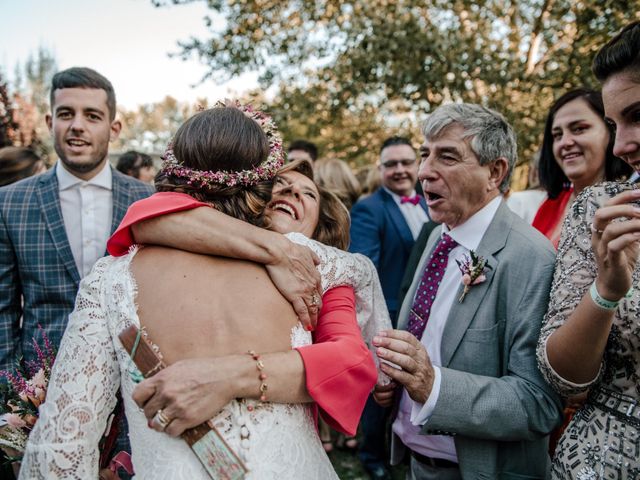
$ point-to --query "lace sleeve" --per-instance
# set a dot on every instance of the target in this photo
(81, 393)
(575, 270)
(337, 268)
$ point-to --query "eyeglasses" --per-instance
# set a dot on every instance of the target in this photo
(394, 163)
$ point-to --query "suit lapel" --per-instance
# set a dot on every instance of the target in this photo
(120, 199)
(462, 313)
(49, 199)
(397, 219)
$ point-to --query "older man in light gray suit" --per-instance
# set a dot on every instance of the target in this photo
(474, 405)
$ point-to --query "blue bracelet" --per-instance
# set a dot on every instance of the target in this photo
(603, 302)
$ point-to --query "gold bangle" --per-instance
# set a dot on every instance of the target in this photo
(261, 376)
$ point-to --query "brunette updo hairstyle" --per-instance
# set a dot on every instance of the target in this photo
(333, 221)
(222, 138)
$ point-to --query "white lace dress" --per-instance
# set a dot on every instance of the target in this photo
(92, 365)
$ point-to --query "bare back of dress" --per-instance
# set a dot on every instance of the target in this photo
(275, 440)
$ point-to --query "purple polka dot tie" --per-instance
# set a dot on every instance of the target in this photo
(431, 278)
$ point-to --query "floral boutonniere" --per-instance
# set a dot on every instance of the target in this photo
(473, 269)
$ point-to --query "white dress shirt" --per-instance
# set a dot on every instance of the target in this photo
(87, 208)
(414, 215)
(412, 415)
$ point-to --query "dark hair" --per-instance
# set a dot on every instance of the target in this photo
(305, 146)
(621, 53)
(552, 178)
(82, 77)
(131, 162)
(17, 163)
(395, 140)
(333, 220)
(222, 138)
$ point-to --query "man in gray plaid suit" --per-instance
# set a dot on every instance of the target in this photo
(53, 227)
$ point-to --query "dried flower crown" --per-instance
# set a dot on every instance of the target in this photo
(208, 178)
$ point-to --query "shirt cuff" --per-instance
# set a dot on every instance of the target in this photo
(421, 412)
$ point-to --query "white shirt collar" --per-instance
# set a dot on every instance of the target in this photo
(470, 233)
(67, 180)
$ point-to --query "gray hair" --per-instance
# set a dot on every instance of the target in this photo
(491, 135)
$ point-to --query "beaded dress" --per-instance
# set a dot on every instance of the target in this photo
(276, 441)
(603, 439)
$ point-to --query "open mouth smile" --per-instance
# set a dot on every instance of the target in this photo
(284, 207)
(570, 156)
(77, 143)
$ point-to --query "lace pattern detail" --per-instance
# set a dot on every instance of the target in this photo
(81, 393)
(597, 444)
(278, 441)
(340, 268)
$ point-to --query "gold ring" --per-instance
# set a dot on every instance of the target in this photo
(161, 419)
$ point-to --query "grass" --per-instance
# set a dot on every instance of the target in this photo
(348, 466)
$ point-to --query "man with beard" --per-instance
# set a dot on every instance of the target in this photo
(384, 227)
(53, 227)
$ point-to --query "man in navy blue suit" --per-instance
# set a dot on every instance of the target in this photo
(384, 227)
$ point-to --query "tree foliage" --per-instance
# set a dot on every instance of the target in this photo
(150, 128)
(37, 73)
(30, 101)
(8, 125)
(366, 61)
(18, 120)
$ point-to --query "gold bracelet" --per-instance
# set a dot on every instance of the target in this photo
(261, 375)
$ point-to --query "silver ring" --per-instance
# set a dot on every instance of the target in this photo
(595, 230)
(161, 419)
(315, 300)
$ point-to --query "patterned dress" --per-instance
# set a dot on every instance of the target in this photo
(603, 439)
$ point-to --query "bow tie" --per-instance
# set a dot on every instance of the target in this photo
(415, 199)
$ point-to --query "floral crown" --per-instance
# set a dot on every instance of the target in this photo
(208, 178)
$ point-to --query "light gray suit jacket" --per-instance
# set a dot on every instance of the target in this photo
(493, 399)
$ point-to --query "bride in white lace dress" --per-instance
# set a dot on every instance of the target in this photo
(274, 440)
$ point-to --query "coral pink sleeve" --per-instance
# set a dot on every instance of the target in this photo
(154, 206)
(340, 372)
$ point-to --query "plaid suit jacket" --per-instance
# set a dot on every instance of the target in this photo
(38, 276)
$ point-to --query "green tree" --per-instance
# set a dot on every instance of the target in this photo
(38, 72)
(17, 120)
(385, 58)
(31, 99)
(150, 128)
(8, 125)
